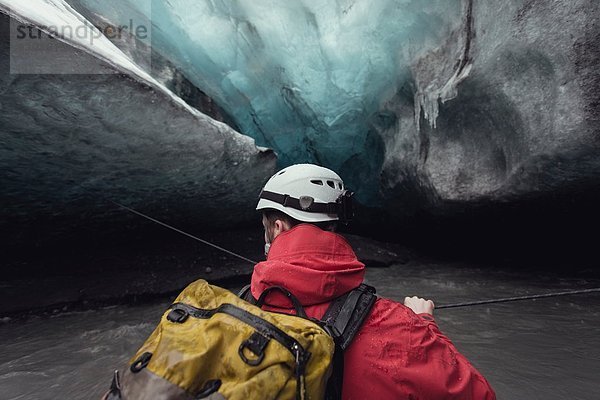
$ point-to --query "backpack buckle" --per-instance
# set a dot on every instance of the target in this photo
(178, 315)
(256, 345)
(141, 362)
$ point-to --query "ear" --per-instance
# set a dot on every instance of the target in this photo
(279, 227)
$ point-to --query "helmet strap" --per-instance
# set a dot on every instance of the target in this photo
(342, 207)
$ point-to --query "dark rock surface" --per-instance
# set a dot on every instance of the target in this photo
(158, 265)
(503, 159)
(508, 109)
(70, 144)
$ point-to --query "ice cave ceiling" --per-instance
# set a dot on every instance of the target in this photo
(417, 104)
(306, 78)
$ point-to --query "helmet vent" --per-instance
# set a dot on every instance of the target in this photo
(331, 184)
(317, 182)
(340, 186)
(282, 172)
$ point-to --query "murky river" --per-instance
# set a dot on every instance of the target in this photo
(545, 349)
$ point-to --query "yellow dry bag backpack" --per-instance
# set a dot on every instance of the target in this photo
(211, 344)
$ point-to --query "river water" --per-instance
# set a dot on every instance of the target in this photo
(544, 349)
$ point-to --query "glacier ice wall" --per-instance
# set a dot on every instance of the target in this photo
(71, 143)
(415, 103)
(418, 105)
(524, 123)
(306, 78)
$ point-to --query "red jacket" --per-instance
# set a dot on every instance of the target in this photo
(397, 354)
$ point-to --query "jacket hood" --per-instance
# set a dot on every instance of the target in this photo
(315, 265)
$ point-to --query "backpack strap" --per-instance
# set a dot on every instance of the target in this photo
(347, 313)
(343, 318)
(246, 294)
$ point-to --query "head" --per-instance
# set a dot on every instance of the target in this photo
(276, 222)
(303, 193)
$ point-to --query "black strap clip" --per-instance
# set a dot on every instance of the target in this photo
(141, 362)
(115, 388)
(256, 344)
(178, 315)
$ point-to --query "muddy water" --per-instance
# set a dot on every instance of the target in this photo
(545, 349)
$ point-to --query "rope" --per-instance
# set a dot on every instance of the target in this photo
(206, 242)
(518, 298)
(454, 305)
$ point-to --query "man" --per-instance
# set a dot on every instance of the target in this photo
(399, 353)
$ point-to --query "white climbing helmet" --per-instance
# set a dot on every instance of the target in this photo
(308, 193)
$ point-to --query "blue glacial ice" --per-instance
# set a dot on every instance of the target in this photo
(415, 103)
(306, 78)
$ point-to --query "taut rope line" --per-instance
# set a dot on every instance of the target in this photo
(206, 242)
(518, 298)
(453, 305)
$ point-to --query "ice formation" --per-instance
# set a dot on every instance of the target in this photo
(70, 144)
(415, 103)
(306, 78)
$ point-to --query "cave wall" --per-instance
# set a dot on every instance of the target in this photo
(71, 144)
(522, 122)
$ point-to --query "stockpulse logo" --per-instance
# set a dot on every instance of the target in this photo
(36, 51)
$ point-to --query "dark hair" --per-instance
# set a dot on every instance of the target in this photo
(272, 215)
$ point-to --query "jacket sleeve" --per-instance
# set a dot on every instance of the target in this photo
(433, 327)
(398, 354)
(474, 385)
